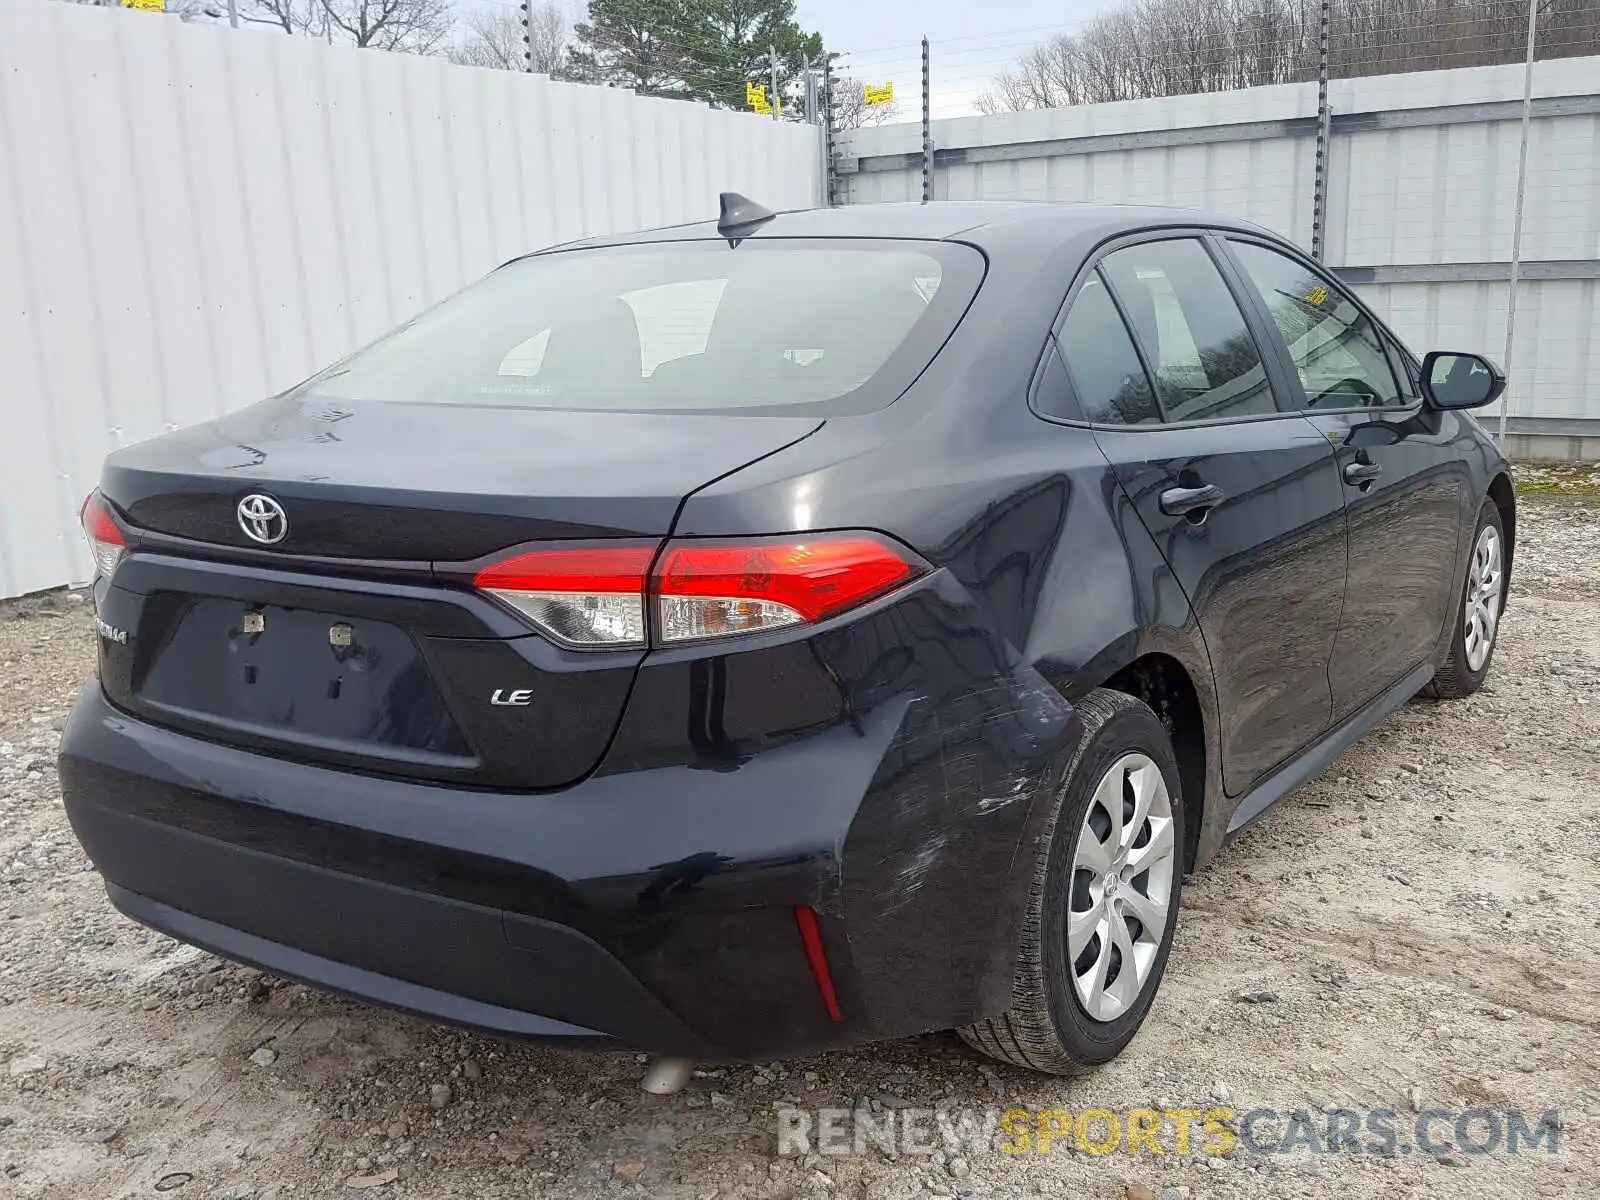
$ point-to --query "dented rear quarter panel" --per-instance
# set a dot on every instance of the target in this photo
(1046, 584)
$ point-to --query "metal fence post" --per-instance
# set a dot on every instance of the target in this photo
(527, 35)
(927, 128)
(1516, 212)
(1319, 198)
(772, 65)
(829, 175)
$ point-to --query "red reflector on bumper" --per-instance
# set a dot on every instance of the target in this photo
(811, 937)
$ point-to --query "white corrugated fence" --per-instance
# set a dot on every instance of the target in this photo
(193, 217)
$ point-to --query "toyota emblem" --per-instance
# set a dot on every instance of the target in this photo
(263, 520)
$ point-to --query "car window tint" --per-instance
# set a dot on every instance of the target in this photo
(1205, 361)
(1107, 377)
(1406, 371)
(1051, 394)
(1336, 348)
(788, 325)
(673, 321)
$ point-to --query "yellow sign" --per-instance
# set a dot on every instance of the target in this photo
(755, 95)
(1318, 295)
(146, 5)
(875, 95)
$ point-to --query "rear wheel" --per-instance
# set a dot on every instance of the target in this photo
(1104, 901)
(1478, 614)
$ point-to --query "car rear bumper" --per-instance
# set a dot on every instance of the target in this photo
(450, 1007)
(649, 907)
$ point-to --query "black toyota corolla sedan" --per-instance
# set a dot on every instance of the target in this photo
(776, 633)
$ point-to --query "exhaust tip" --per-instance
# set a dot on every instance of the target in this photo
(667, 1076)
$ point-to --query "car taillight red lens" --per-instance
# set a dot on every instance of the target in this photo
(106, 542)
(709, 589)
(595, 597)
(583, 597)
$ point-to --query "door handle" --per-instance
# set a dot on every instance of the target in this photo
(1360, 473)
(1180, 501)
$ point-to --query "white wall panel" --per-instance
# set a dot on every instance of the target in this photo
(1558, 335)
(1426, 195)
(192, 218)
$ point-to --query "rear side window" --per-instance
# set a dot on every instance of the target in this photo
(1205, 361)
(1107, 377)
(785, 325)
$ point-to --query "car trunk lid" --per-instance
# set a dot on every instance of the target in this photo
(421, 483)
(355, 640)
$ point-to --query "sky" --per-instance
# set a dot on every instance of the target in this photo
(970, 41)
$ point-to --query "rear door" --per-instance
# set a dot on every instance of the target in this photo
(1242, 498)
(1403, 477)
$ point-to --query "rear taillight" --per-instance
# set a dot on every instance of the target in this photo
(106, 542)
(714, 589)
(581, 597)
(597, 597)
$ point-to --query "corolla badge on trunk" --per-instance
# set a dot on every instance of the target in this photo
(110, 632)
(263, 520)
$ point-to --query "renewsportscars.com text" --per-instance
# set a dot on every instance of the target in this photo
(1138, 1131)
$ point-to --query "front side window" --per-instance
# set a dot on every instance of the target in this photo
(1107, 377)
(1337, 350)
(786, 325)
(1407, 372)
(1204, 359)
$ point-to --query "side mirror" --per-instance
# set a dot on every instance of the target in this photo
(1454, 379)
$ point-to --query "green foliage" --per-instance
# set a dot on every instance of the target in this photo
(631, 44)
(735, 38)
(694, 49)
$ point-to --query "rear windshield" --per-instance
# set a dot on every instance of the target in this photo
(780, 326)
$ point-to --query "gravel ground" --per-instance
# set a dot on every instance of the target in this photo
(1416, 928)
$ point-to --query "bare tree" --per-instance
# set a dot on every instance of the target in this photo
(494, 39)
(1180, 47)
(291, 16)
(851, 110)
(418, 26)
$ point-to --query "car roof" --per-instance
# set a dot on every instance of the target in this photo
(985, 223)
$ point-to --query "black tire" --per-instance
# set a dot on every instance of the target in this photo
(1046, 1028)
(1456, 678)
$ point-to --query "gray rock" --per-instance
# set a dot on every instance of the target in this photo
(1257, 997)
(439, 1095)
(264, 1056)
(26, 1064)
